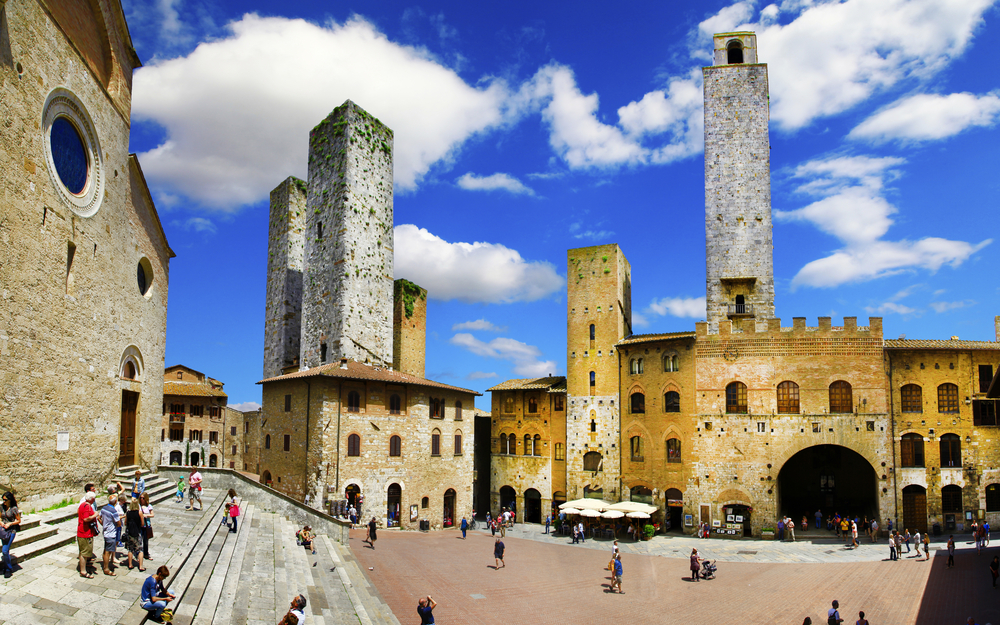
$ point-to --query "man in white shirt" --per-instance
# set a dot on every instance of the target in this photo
(194, 488)
(832, 615)
(297, 609)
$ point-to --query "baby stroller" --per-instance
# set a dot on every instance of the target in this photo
(708, 569)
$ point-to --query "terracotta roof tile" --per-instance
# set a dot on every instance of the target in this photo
(360, 371)
(191, 389)
(646, 338)
(936, 344)
(527, 384)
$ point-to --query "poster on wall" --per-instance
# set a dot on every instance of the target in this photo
(716, 523)
(688, 520)
(413, 512)
(729, 518)
(739, 518)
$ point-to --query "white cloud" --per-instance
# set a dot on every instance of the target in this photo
(940, 307)
(690, 307)
(504, 182)
(470, 272)
(481, 375)
(479, 324)
(891, 307)
(829, 56)
(247, 406)
(928, 117)
(197, 224)
(525, 358)
(237, 110)
(851, 207)
(577, 232)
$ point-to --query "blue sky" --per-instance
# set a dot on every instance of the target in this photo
(524, 130)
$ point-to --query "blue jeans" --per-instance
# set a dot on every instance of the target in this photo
(5, 560)
(155, 609)
(233, 519)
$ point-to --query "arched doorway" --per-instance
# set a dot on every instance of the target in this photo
(532, 506)
(265, 478)
(508, 498)
(449, 507)
(829, 478)
(393, 497)
(353, 496)
(675, 509)
(915, 508)
(195, 457)
(641, 494)
(176, 457)
(558, 497)
(213, 461)
(951, 505)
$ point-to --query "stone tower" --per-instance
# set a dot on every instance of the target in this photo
(740, 284)
(409, 327)
(286, 246)
(347, 285)
(599, 300)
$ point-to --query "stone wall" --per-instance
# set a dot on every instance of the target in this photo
(347, 290)
(737, 187)
(285, 265)
(409, 327)
(71, 310)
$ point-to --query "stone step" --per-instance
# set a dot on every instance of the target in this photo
(207, 607)
(339, 605)
(234, 577)
(43, 546)
(296, 560)
(250, 579)
(33, 534)
(378, 611)
(190, 600)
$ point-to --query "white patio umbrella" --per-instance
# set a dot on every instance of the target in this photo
(633, 506)
(570, 511)
(590, 513)
(586, 504)
(612, 514)
(637, 515)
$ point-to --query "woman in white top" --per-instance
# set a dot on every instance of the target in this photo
(614, 549)
(147, 513)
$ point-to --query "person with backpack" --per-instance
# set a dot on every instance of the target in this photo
(833, 614)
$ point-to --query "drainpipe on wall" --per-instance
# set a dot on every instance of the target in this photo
(620, 449)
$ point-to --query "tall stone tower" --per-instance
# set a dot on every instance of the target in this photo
(739, 251)
(286, 246)
(347, 286)
(600, 314)
(409, 327)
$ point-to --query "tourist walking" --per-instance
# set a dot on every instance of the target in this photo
(986, 533)
(493, 527)
(854, 533)
(498, 562)
(892, 547)
(951, 551)
(10, 525)
(86, 528)
(927, 546)
(372, 533)
(180, 490)
(425, 609)
(583, 533)
(465, 527)
(861, 619)
(833, 614)
(147, 520)
(874, 532)
(695, 564)
(194, 489)
(906, 539)
(995, 569)
(791, 529)
(134, 530)
(110, 522)
(154, 597)
(233, 510)
(548, 520)
(819, 518)
(616, 581)
(916, 542)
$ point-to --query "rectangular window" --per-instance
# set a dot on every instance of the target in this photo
(246, 427)
(195, 435)
(214, 411)
(322, 352)
(288, 442)
(984, 412)
(816, 428)
(985, 377)
(560, 451)
(163, 434)
(435, 444)
(232, 465)
(761, 426)
(197, 411)
(246, 448)
(559, 403)
(458, 444)
(234, 450)
(176, 434)
(288, 403)
(213, 438)
(232, 431)
(911, 397)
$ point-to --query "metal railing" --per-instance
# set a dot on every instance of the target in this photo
(740, 309)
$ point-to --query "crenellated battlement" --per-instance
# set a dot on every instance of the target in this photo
(773, 328)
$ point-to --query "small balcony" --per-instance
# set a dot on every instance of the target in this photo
(177, 418)
(740, 310)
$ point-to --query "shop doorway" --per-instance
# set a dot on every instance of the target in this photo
(508, 498)
(738, 519)
(449, 507)
(674, 513)
(829, 478)
(195, 458)
(394, 495)
(915, 508)
(126, 448)
(532, 506)
(353, 496)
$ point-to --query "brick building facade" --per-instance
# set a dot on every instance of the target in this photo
(195, 416)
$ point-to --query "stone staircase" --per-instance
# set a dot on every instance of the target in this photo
(252, 575)
(47, 531)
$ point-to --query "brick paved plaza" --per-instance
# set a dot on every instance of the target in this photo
(548, 580)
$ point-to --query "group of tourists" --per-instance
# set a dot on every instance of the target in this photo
(126, 520)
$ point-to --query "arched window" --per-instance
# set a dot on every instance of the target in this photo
(672, 401)
(736, 398)
(511, 447)
(592, 461)
(912, 400)
(734, 52)
(948, 398)
(503, 443)
(395, 445)
(458, 411)
(638, 402)
(536, 445)
(911, 450)
(741, 306)
(267, 441)
(670, 363)
(129, 370)
(635, 445)
(673, 450)
(458, 443)
(353, 401)
(635, 366)
(593, 379)
(993, 498)
(395, 404)
(436, 442)
(951, 499)
(213, 461)
(592, 332)
(532, 405)
(353, 445)
(508, 404)
(841, 399)
(788, 398)
(951, 450)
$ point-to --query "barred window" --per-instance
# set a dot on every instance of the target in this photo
(736, 398)
(841, 399)
(788, 398)
(948, 398)
(912, 400)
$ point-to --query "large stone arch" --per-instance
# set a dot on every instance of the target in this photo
(733, 496)
(854, 488)
(794, 447)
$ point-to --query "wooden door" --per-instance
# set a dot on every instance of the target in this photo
(915, 509)
(126, 449)
(706, 514)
